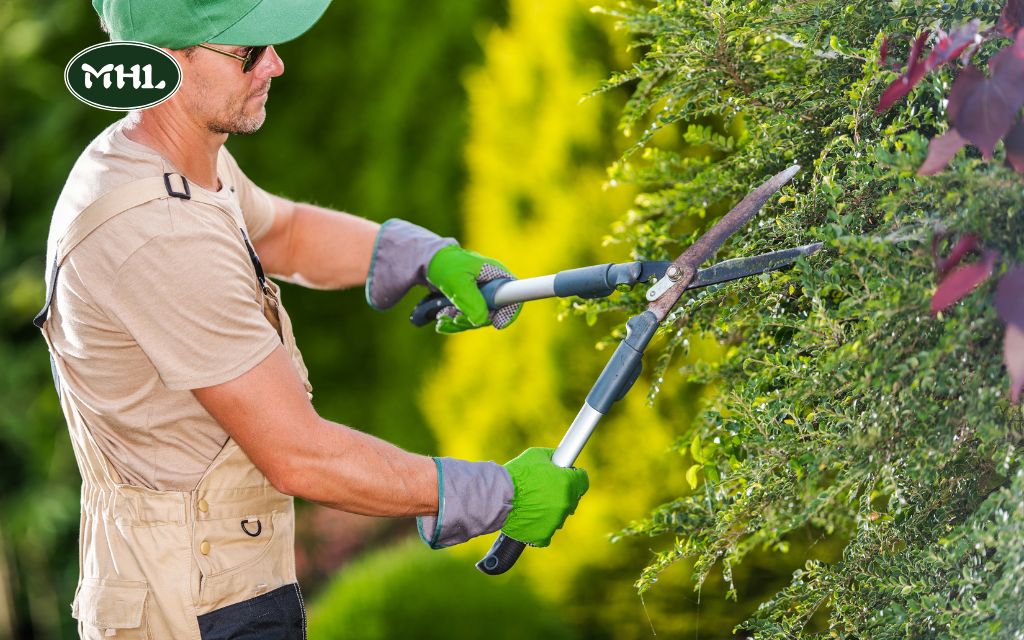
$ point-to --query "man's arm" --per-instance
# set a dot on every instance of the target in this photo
(324, 249)
(267, 412)
(317, 247)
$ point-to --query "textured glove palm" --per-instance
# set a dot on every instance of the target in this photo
(457, 273)
(545, 495)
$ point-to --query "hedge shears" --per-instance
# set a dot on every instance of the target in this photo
(670, 280)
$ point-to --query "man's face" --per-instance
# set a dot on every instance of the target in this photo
(223, 98)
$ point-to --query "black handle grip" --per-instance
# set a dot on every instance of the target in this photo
(503, 554)
(427, 309)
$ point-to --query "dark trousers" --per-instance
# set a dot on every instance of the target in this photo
(277, 615)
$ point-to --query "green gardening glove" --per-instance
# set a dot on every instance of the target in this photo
(457, 273)
(545, 495)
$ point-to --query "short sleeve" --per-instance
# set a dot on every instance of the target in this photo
(257, 207)
(188, 298)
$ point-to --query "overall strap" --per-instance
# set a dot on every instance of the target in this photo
(114, 203)
(111, 205)
(106, 207)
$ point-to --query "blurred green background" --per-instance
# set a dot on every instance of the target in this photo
(464, 117)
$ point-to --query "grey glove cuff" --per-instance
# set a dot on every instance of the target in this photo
(473, 498)
(401, 254)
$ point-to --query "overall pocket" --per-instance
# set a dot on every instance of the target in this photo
(229, 545)
(111, 608)
(239, 566)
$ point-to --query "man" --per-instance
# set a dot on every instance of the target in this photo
(187, 400)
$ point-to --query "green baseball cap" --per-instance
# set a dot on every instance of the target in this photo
(177, 24)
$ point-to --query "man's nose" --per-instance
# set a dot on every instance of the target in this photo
(271, 65)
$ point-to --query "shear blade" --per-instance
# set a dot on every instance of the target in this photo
(737, 268)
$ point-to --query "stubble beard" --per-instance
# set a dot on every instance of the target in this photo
(240, 122)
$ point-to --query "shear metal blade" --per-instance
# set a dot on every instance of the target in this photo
(737, 268)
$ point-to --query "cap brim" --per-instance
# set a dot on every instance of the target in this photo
(273, 22)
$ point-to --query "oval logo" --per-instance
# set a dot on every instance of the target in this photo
(122, 75)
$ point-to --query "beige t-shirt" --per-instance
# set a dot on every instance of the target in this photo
(159, 300)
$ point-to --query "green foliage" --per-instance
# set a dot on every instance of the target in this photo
(845, 408)
(413, 592)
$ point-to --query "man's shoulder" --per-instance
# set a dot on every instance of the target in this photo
(160, 237)
(112, 162)
(109, 161)
(163, 225)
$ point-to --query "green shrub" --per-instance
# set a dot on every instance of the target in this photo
(413, 592)
(846, 409)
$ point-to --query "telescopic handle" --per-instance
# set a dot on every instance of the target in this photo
(615, 380)
(596, 281)
(623, 368)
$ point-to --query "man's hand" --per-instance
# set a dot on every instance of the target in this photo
(528, 498)
(457, 274)
(545, 495)
(405, 255)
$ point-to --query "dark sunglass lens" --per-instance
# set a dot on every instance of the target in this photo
(253, 58)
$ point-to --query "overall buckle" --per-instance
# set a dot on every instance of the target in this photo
(184, 195)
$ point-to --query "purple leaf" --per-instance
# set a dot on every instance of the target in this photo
(1014, 143)
(1013, 357)
(902, 85)
(963, 246)
(1009, 302)
(941, 150)
(951, 46)
(1008, 65)
(883, 52)
(983, 109)
(962, 281)
(1011, 19)
(1009, 298)
(966, 83)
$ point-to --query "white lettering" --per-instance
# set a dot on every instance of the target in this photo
(102, 73)
(121, 76)
(141, 77)
(147, 73)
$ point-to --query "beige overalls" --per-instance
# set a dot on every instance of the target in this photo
(214, 562)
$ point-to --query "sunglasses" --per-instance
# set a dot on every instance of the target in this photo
(249, 60)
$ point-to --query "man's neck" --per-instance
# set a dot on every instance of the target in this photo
(187, 145)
